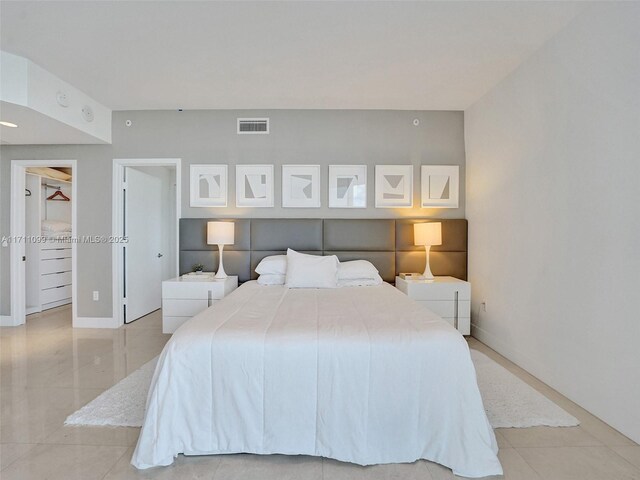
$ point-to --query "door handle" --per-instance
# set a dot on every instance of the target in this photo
(159, 255)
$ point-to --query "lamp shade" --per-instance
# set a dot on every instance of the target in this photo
(429, 233)
(220, 233)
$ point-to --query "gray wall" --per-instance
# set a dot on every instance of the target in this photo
(321, 137)
(203, 136)
(94, 218)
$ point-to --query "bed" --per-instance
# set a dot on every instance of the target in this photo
(361, 374)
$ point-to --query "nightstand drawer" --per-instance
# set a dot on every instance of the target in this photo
(464, 324)
(438, 291)
(187, 296)
(447, 308)
(183, 308)
(193, 290)
(439, 295)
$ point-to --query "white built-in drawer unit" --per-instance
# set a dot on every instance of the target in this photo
(186, 296)
(52, 280)
(53, 253)
(448, 297)
(55, 265)
(55, 294)
(55, 274)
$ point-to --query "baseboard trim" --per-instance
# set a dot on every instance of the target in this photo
(490, 340)
(96, 322)
(534, 368)
(6, 321)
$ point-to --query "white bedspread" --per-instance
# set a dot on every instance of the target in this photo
(362, 375)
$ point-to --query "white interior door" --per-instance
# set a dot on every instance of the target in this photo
(143, 255)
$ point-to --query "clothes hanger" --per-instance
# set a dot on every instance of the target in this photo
(59, 197)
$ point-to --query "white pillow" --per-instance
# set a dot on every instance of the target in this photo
(272, 265)
(357, 269)
(311, 271)
(270, 279)
(360, 282)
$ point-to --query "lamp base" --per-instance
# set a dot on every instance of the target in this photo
(427, 269)
(220, 274)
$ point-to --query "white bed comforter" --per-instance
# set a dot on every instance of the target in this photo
(362, 375)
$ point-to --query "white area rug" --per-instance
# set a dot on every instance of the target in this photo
(122, 405)
(511, 403)
(508, 400)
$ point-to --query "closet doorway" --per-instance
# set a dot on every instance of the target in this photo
(43, 227)
(146, 212)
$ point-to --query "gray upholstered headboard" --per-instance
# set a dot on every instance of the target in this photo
(387, 243)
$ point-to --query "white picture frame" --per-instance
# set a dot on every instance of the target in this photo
(440, 186)
(208, 185)
(301, 186)
(394, 186)
(347, 186)
(254, 186)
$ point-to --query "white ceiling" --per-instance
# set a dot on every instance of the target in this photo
(343, 55)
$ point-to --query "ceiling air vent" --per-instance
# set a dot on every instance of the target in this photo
(253, 126)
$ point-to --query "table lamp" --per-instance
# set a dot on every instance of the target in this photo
(221, 234)
(427, 234)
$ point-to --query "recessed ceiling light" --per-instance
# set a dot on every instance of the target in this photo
(9, 124)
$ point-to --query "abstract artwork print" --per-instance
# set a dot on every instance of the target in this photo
(347, 186)
(394, 186)
(208, 185)
(301, 186)
(440, 186)
(254, 185)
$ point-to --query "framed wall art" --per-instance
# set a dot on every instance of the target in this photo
(347, 186)
(394, 186)
(301, 186)
(440, 186)
(254, 185)
(208, 185)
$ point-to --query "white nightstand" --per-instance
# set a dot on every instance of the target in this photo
(186, 296)
(446, 296)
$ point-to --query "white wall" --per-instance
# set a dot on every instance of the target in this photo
(553, 202)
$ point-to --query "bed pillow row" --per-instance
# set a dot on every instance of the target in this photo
(299, 270)
(311, 271)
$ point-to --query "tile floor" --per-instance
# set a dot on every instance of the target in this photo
(49, 370)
